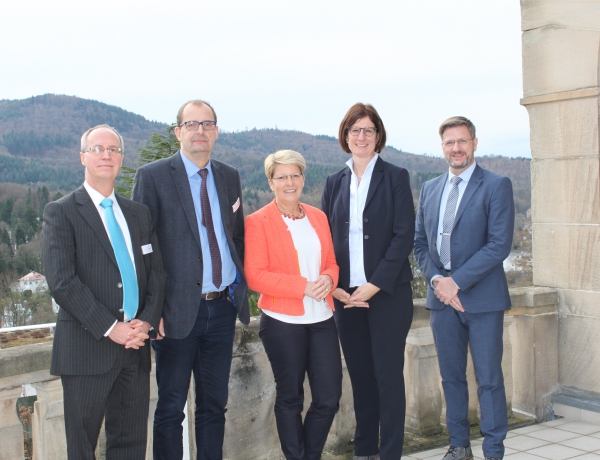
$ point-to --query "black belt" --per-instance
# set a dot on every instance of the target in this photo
(214, 295)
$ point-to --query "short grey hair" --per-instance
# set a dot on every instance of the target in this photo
(284, 157)
(87, 133)
(453, 122)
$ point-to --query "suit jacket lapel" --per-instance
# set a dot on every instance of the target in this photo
(472, 186)
(221, 183)
(90, 215)
(345, 190)
(376, 178)
(182, 183)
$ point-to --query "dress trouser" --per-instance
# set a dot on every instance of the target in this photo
(373, 341)
(453, 333)
(294, 351)
(122, 395)
(206, 352)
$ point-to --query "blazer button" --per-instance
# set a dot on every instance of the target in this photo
(121, 310)
(119, 285)
(366, 237)
(199, 283)
(366, 220)
(200, 259)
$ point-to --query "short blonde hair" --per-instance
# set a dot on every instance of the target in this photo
(284, 157)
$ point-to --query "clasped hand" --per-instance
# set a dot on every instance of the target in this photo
(131, 334)
(320, 288)
(446, 291)
(358, 298)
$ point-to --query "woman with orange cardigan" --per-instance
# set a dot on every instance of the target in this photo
(290, 262)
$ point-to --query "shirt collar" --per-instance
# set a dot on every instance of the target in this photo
(465, 175)
(369, 167)
(191, 168)
(96, 196)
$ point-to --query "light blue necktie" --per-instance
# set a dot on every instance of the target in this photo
(130, 286)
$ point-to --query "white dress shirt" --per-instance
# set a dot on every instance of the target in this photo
(465, 176)
(358, 198)
(97, 198)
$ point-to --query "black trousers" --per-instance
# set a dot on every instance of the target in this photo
(295, 350)
(123, 395)
(373, 340)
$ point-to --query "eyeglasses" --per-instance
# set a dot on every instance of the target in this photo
(207, 125)
(461, 142)
(99, 150)
(355, 131)
(294, 177)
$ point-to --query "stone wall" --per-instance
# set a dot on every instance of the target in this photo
(530, 357)
(561, 78)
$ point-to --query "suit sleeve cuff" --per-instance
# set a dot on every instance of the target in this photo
(110, 329)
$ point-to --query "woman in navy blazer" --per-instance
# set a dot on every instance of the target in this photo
(370, 210)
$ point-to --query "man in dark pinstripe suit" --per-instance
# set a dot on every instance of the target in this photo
(101, 354)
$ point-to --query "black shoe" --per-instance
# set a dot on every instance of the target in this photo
(459, 453)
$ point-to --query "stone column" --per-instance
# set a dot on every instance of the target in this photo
(561, 75)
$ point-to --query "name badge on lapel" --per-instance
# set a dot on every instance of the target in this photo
(146, 249)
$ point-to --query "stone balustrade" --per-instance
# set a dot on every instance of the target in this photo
(530, 367)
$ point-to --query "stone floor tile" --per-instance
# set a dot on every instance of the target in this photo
(595, 435)
(585, 443)
(588, 456)
(580, 428)
(556, 452)
(522, 456)
(553, 434)
(529, 429)
(521, 443)
(430, 453)
(557, 422)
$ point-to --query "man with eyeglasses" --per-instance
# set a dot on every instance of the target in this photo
(463, 233)
(196, 205)
(104, 269)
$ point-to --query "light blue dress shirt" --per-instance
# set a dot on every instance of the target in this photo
(228, 267)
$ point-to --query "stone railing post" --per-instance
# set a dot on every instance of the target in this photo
(535, 350)
(48, 425)
(422, 381)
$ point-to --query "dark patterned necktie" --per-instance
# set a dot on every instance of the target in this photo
(207, 221)
(448, 222)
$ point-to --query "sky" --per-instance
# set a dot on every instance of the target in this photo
(286, 64)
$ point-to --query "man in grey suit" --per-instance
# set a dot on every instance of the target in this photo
(463, 233)
(196, 206)
(104, 269)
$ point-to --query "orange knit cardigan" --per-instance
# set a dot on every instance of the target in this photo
(271, 261)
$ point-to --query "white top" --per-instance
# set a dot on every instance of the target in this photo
(97, 198)
(465, 176)
(358, 198)
(308, 249)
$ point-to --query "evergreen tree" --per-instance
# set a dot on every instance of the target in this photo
(7, 210)
(43, 195)
(57, 196)
(158, 146)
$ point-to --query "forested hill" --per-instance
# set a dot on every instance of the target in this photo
(39, 145)
(39, 136)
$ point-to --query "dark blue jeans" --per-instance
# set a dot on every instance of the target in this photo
(207, 353)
